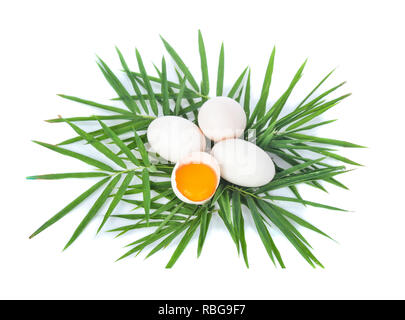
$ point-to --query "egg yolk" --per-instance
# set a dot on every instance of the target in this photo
(196, 181)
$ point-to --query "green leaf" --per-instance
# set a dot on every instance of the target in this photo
(98, 145)
(147, 240)
(180, 64)
(243, 240)
(123, 147)
(146, 193)
(285, 226)
(142, 149)
(221, 70)
(236, 211)
(169, 217)
(311, 126)
(92, 118)
(316, 88)
(300, 221)
(297, 167)
(300, 178)
(237, 84)
(133, 82)
(246, 99)
(69, 207)
(205, 85)
(184, 242)
(118, 129)
(165, 242)
(264, 233)
(333, 142)
(205, 222)
(95, 104)
(177, 107)
(313, 113)
(225, 215)
(290, 232)
(93, 210)
(117, 198)
(338, 157)
(151, 94)
(165, 89)
(54, 176)
(117, 86)
(81, 157)
(278, 106)
(259, 110)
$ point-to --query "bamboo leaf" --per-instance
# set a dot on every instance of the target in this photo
(243, 241)
(169, 217)
(79, 156)
(297, 167)
(92, 118)
(146, 193)
(264, 233)
(180, 64)
(285, 226)
(133, 83)
(142, 149)
(237, 84)
(246, 99)
(313, 113)
(338, 157)
(300, 178)
(205, 222)
(183, 243)
(117, 86)
(165, 89)
(316, 88)
(221, 70)
(177, 108)
(93, 210)
(290, 232)
(98, 145)
(151, 94)
(118, 129)
(69, 207)
(55, 176)
(165, 242)
(333, 142)
(311, 126)
(236, 211)
(96, 104)
(123, 147)
(205, 85)
(117, 198)
(259, 110)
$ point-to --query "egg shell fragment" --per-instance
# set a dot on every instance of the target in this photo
(222, 118)
(195, 157)
(243, 163)
(173, 138)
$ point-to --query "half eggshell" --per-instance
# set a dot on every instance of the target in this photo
(195, 157)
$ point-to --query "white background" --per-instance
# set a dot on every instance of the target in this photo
(49, 47)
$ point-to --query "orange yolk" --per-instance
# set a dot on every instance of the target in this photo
(196, 181)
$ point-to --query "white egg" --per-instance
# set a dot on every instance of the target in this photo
(243, 163)
(190, 189)
(222, 118)
(174, 137)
